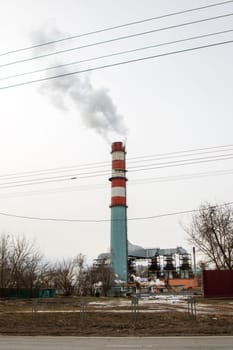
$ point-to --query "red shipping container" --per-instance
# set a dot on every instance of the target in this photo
(218, 283)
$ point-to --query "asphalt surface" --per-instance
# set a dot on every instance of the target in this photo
(109, 343)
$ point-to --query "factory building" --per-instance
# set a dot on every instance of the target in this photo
(167, 264)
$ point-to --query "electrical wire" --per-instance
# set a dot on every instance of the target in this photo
(105, 164)
(115, 27)
(182, 164)
(115, 39)
(51, 171)
(23, 180)
(110, 220)
(7, 185)
(49, 180)
(166, 155)
(86, 187)
(118, 64)
(57, 169)
(132, 168)
(180, 177)
(143, 181)
(179, 153)
(183, 161)
(116, 54)
(175, 213)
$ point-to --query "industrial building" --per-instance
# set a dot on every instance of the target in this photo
(164, 264)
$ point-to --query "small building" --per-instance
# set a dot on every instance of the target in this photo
(217, 283)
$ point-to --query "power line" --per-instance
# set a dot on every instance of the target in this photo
(115, 27)
(57, 169)
(87, 187)
(134, 160)
(143, 181)
(51, 180)
(86, 175)
(118, 64)
(174, 154)
(183, 161)
(177, 155)
(109, 220)
(175, 213)
(51, 171)
(22, 180)
(116, 54)
(181, 177)
(116, 39)
(182, 164)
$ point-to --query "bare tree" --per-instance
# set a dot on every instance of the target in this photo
(4, 261)
(83, 278)
(21, 263)
(25, 259)
(72, 276)
(211, 231)
(22, 266)
(102, 272)
(35, 272)
(65, 276)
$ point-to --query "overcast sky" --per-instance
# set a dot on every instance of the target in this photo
(166, 104)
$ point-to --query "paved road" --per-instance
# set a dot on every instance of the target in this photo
(79, 343)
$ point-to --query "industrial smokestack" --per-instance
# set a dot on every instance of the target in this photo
(119, 245)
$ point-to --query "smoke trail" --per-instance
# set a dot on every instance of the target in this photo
(94, 104)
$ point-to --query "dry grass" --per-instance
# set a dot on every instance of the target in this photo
(61, 316)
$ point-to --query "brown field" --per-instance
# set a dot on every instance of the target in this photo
(114, 317)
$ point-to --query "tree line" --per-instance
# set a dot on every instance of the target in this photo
(22, 266)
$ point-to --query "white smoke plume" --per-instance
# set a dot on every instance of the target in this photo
(93, 104)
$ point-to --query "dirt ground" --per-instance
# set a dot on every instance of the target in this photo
(115, 317)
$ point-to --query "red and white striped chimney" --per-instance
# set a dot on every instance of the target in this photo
(118, 178)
